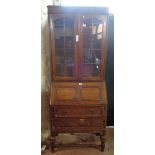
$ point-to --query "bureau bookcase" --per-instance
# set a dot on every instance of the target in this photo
(78, 100)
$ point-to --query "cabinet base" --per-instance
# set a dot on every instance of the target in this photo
(53, 144)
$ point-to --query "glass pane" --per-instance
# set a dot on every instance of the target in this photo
(87, 39)
(91, 57)
(92, 33)
(65, 62)
(92, 46)
(88, 57)
(69, 42)
(97, 41)
(65, 70)
(89, 70)
(64, 46)
(97, 33)
(64, 56)
(68, 56)
(59, 42)
(70, 71)
(59, 56)
(59, 70)
(97, 56)
(69, 23)
(59, 23)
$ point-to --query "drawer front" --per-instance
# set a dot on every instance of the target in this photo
(77, 122)
(79, 111)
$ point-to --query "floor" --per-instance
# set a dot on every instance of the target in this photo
(66, 138)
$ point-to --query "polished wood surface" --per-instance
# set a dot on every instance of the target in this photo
(78, 122)
(64, 93)
(78, 99)
(79, 111)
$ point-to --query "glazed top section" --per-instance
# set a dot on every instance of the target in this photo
(63, 9)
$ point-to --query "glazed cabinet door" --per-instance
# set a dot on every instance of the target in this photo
(63, 32)
(78, 45)
(92, 46)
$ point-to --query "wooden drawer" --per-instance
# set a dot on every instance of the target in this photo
(79, 111)
(78, 122)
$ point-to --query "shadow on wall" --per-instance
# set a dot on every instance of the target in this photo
(45, 123)
(45, 72)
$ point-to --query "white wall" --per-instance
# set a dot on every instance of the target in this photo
(45, 51)
(45, 69)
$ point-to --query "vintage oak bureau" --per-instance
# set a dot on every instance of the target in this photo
(78, 100)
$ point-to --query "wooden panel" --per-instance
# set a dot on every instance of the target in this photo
(79, 111)
(66, 93)
(73, 93)
(104, 92)
(78, 122)
(66, 102)
(91, 84)
(64, 84)
(91, 102)
(93, 93)
(90, 93)
(78, 130)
